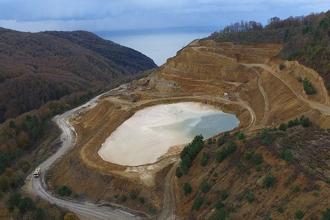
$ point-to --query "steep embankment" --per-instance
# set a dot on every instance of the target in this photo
(38, 67)
(263, 91)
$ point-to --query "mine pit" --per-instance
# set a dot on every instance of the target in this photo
(151, 132)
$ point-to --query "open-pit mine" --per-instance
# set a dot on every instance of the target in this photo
(130, 141)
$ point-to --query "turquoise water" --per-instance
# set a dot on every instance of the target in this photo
(208, 125)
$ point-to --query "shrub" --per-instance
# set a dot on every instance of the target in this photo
(123, 198)
(178, 172)
(152, 210)
(205, 159)
(248, 155)
(308, 87)
(257, 159)
(265, 137)
(296, 189)
(269, 181)
(209, 141)
(305, 122)
(326, 214)
(198, 203)
(280, 209)
(283, 127)
(225, 152)
(133, 195)
(142, 200)
(64, 191)
(240, 135)
(221, 140)
(299, 214)
(223, 194)
(220, 214)
(286, 154)
(219, 205)
(293, 123)
(249, 196)
(205, 187)
(187, 189)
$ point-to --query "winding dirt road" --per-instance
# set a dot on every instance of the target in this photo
(38, 187)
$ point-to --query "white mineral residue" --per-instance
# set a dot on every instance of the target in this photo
(150, 132)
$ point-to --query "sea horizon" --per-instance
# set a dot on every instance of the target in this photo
(158, 44)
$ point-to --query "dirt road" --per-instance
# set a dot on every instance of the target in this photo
(38, 187)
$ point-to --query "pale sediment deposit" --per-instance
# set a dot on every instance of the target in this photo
(150, 132)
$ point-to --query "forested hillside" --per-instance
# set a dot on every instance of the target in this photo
(305, 38)
(38, 67)
(41, 75)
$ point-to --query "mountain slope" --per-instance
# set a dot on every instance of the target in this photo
(306, 39)
(38, 67)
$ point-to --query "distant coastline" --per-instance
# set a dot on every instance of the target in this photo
(158, 44)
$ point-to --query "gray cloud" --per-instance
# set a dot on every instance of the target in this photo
(99, 15)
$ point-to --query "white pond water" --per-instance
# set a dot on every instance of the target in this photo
(150, 132)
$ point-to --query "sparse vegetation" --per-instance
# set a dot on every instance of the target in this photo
(64, 191)
(178, 172)
(296, 189)
(205, 187)
(249, 196)
(198, 202)
(122, 198)
(256, 159)
(326, 214)
(23, 204)
(226, 151)
(265, 137)
(283, 127)
(240, 136)
(205, 159)
(223, 194)
(269, 181)
(286, 154)
(219, 205)
(142, 200)
(303, 121)
(187, 189)
(221, 140)
(308, 87)
(133, 195)
(299, 214)
(220, 214)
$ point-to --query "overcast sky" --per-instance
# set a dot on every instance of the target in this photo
(112, 15)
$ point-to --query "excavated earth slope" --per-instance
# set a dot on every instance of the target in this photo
(263, 91)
